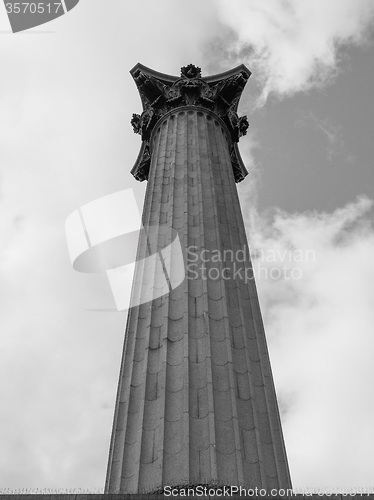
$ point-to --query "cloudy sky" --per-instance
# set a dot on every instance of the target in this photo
(66, 99)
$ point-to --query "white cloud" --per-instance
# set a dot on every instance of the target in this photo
(292, 45)
(319, 327)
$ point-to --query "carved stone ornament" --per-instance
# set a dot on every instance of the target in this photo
(161, 93)
(191, 71)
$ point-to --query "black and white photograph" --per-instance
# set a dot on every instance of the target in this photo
(186, 247)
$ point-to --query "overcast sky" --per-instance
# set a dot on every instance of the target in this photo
(66, 99)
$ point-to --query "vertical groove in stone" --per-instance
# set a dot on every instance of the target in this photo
(160, 336)
(200, 436)
(172, 379)
(151, 459)
(166, 167)
(229, 416)
(195, 333)
(196, 401)
(247, 408)
(184, 243)
(175, 451)
(143, 388)
(230, 241)
(186, 409)
(136, 456)
(206, 467)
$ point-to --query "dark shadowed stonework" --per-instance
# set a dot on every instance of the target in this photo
(196, 402)
(162, 497)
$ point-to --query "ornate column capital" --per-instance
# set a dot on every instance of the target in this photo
(161, 93)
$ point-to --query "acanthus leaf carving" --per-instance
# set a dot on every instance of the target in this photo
(142, 165)
(160, 95)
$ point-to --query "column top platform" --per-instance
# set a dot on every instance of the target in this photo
(161, 93)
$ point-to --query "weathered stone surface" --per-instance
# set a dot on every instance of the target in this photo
(199, 458)
(196, 402)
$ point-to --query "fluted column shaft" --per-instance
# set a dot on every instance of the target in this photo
(196, 400)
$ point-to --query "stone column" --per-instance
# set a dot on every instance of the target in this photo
(196, 402)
